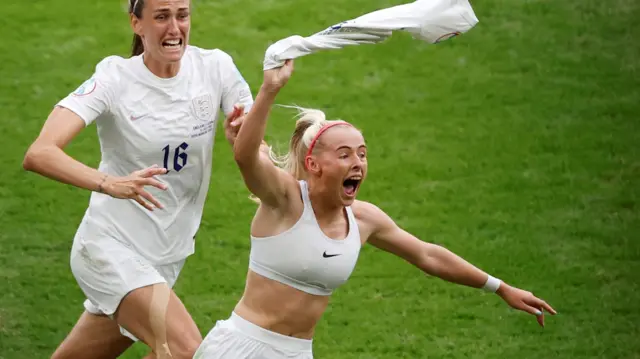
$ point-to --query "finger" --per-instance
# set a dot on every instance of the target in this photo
(154, 166)
(539, 303)
(237, 123)
(531, 310)
(152, 182)
(239, 118)
(144, 204)
(237, 111)
(231, 116)
(289, 65)
(153, 171)
(231, 119)
(547, 307)
(540, 319)
(146, 195)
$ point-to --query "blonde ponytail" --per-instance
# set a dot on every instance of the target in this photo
(308, 124)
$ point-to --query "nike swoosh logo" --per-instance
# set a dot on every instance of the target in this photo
(325, 255)
(135, 118)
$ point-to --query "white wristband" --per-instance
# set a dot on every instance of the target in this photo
(492, 284)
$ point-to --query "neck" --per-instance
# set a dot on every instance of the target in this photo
(162, 70)
(323, 203)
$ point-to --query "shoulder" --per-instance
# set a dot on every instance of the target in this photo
(110, 71)
(210, 57)
(370, 215)
(366, 210)
(207, 53)
(107, 74)
(112, 66)
(372, 220)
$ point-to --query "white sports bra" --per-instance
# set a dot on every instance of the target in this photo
(303, 257)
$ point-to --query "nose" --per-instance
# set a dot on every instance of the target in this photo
(174, 29)
(357, 163)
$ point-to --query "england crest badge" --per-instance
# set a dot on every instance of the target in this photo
(202, 107)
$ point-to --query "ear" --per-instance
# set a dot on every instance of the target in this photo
(312, 165)
(136, 24)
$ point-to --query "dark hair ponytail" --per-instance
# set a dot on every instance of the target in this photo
(137, 47)
(135, 8)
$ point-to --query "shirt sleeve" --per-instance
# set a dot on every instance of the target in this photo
(235, 90)
(94, 96)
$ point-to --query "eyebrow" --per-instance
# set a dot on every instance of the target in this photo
(348, 148)
(169, 10)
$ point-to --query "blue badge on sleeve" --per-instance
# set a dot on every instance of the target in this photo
(86, 88)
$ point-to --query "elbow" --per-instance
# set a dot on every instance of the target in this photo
(243, 157)
(239, 157)
(33, 158)
(427, 260)
(426, 265)
(29, 160)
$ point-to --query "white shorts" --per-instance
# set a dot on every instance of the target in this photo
(237, 338)
(107, 270)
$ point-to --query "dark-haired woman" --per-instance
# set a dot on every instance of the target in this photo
(156, 115)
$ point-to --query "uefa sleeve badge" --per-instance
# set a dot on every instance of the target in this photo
(86, 88)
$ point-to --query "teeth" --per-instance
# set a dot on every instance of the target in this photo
(171, 43)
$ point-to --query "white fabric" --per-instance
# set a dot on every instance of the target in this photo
(492, 284)
(237, 338)
(106, 270)
(144, 120)
(432, 21)
(318, 264)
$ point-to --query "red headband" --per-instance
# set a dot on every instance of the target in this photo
(321, 131)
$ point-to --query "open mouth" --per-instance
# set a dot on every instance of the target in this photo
(351, 185)
(172, 44)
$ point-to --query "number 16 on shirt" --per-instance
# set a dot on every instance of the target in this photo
(179, 157)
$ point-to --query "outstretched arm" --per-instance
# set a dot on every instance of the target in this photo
(265, 180)
(438, 261)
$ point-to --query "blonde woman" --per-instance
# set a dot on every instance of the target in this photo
(307, 233)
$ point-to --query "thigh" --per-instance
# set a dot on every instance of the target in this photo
(107, 270)
(155, 315)
(93, 337)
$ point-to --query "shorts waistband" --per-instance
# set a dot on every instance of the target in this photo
(266, 336)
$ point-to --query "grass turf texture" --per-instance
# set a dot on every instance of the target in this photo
(515, 146)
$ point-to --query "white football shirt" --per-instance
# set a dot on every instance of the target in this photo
(144, 120)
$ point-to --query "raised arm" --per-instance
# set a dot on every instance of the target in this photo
(265, 180)
(438, 261)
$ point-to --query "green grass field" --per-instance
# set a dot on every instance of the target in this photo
(517, 146)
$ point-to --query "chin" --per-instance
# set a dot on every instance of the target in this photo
(171, 56)
(347, 200)
(175, 57)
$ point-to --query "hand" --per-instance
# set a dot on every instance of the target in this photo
(232, 123)
(132, 186)
(275, 79)
(525, 301)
